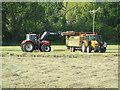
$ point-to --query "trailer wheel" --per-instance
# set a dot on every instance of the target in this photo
(84, 49)
(27, 47)
(72, 49)
(89, 49)
(45, 48)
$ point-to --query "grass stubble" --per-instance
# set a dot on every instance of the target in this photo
(59, 68)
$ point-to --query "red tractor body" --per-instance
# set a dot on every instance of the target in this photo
(35, 42)
(40, 42)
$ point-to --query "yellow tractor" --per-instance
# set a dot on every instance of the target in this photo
(83, 41)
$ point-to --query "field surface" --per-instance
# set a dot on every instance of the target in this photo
(59, 68)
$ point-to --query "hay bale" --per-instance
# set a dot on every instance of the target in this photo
(68, 33)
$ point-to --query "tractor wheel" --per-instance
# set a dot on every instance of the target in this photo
(89, 49)
(96, 49)
(84, 49)
(72, 49)
(45, 48)
(102, 49)
(28, 47)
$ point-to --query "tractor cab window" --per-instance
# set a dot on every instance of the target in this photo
(31, 37)
(92, 38)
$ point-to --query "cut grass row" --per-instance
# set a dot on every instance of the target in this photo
(56, 49)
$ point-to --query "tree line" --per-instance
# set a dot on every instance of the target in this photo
(19, 18)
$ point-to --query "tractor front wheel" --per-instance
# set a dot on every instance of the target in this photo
(102, 49)
(27, 47)
(96, 49)
(45, 48)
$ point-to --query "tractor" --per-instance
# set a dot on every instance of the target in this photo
(83, 41)
(36, 42)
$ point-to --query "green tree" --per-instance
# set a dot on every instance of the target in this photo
(19, 18)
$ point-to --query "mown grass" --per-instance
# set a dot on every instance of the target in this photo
(57, 49)
(59, 68)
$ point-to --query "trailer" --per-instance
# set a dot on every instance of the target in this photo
(83, 41)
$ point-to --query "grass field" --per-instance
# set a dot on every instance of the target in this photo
(59, 68)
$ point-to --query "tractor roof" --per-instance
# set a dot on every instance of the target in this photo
(31, 34)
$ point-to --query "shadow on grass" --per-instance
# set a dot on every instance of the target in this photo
(10, 50)
(103, 53)
(112, 52)
(113, 49)
(67, 51)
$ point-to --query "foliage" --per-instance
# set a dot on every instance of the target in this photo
(19, 18)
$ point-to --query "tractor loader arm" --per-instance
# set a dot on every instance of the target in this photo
(46, 33)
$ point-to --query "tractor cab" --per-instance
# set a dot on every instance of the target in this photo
(32, 37)
(93, 38)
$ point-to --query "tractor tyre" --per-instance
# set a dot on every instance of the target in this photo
(40, 49)
(96, 49)
(84, 48)
(102, 49)
(45, 48)
(27, 47)
(89, 49)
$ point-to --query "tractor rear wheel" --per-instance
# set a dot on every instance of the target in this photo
(28, 47)
(89, 49)
(45, 48)
(102, 49)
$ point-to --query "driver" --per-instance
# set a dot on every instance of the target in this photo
(105, 46)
